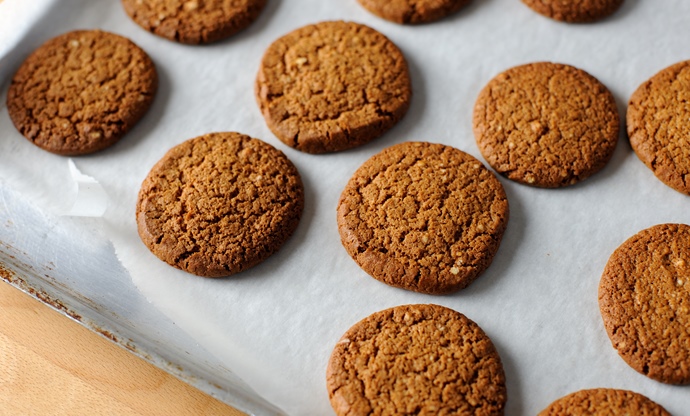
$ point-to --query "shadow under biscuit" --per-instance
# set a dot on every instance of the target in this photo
(508, 250)
(145, 129)
(259, 25)
(626, 8)
(515, 404)
(270, 267)
(415, 114)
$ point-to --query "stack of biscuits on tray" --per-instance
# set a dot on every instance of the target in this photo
(419, 216)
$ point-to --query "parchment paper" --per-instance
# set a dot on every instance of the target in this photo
(275, 324)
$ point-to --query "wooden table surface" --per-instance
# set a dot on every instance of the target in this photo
(51, 365)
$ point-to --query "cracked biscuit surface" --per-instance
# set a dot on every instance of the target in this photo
(416, 359)
(194, 21)
(219, 204)
(332, 86)
(574, 11)
(413, 11)
(658, 128)
(604, 402)
(81, 92)
(644, 298)
(547, 125)
(423, 217)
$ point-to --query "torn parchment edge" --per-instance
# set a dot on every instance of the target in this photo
(91, 199)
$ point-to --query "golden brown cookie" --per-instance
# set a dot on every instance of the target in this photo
(423, 217)
(332, 86)
(81, 92)
(416, 359)
(658, 126)
(219, 204)
(546, 124)
(413, 11)
(574, 11)
(604, 402)
(644, 297)
(194, 21)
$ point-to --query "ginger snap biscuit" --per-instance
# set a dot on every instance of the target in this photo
(81, 92)
(575, 11)
(332, 86)
(658, 128)
(547, 125)
(219, 204)
(644, 297)
(604, 402)
(413, 11)
(423, 217)
(416, 359)
(194, 21)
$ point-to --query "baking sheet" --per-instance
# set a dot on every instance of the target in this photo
(69, 264)
(275, 325)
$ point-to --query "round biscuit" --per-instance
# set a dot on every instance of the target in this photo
(194, 21)
(416, 359)
(219, 204)
(332, 86)
(547, 125)
(657, 122)
(644, 298)
(423, 217)
(81, 92)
